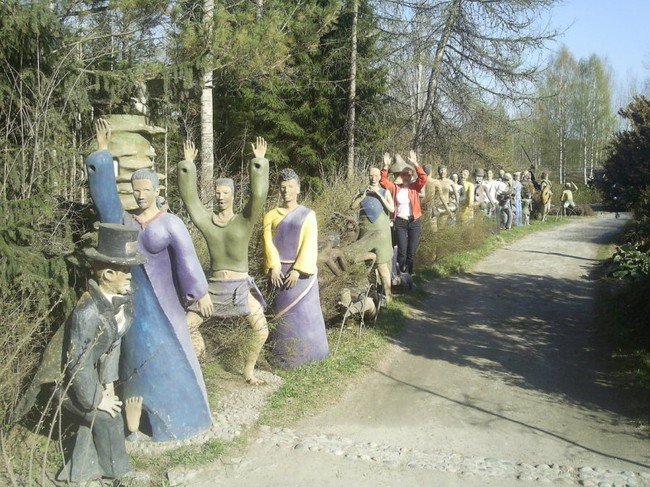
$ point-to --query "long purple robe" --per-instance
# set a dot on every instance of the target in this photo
(157, 360)
(300, 331)
(173, 268)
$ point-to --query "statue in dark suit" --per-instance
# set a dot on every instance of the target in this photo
(83, 360)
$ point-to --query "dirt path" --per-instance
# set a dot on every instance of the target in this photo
(497, 380)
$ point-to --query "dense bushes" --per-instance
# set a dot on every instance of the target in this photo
(625, 181)
(625, 185)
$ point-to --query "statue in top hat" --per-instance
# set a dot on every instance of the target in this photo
(82, 360)
(159, 362)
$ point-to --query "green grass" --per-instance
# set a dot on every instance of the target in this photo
(622, 310)
(190, 456)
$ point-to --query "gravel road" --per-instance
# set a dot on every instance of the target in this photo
(498, 379)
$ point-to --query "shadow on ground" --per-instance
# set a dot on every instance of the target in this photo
(530, 331)
(533, 332)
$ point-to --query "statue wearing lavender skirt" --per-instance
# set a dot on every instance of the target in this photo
(290, 255)
(158, 359)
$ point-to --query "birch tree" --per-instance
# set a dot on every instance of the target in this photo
(557, 108)
(352, 93)
(593, 110)
(207, 115)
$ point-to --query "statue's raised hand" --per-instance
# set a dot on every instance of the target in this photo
(387, 160)
(413, 158)
(103, 133)
(189, 151)
(259, 147)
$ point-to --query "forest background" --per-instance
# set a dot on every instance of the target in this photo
(330, 84)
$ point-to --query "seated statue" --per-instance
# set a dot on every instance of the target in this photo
(159, 362)
(232, 291)
(290, 256)
(359, 303)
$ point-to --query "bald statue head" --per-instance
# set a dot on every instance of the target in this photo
(374, 175)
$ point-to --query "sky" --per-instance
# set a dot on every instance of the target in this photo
(618, 30)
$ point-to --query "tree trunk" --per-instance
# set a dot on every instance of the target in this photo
(207, 125)
(418, 99)
(584, 159)
(352, 94)
(430, 100)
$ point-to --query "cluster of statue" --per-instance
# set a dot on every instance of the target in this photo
(509, 197)
(132, 343)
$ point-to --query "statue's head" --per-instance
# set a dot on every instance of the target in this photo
(479, 175)
(427, 169)
(454, 178)
(464, 175)
(374, 175)
(442, 171)
(544, 175)
(502, 173)
(116, 251)
(567, 185)
(289, 185)
(517, 175)
(490, 174)
(507, 177)
(146, 188)
(224, 193)
(113, 278)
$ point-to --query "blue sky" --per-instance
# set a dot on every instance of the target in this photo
(618, 30)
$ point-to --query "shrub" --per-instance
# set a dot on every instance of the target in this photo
(451, 239)
(631, 262)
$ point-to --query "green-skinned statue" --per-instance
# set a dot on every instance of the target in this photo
(227, 234)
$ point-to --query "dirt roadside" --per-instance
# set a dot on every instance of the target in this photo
(498, 379)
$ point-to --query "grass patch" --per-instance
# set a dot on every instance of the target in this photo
(190, 456)
(622, 311)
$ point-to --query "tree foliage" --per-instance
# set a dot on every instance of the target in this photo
(570, 123)
(448, 54)
(625, 183)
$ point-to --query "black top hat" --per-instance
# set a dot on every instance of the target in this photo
(117, 244)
